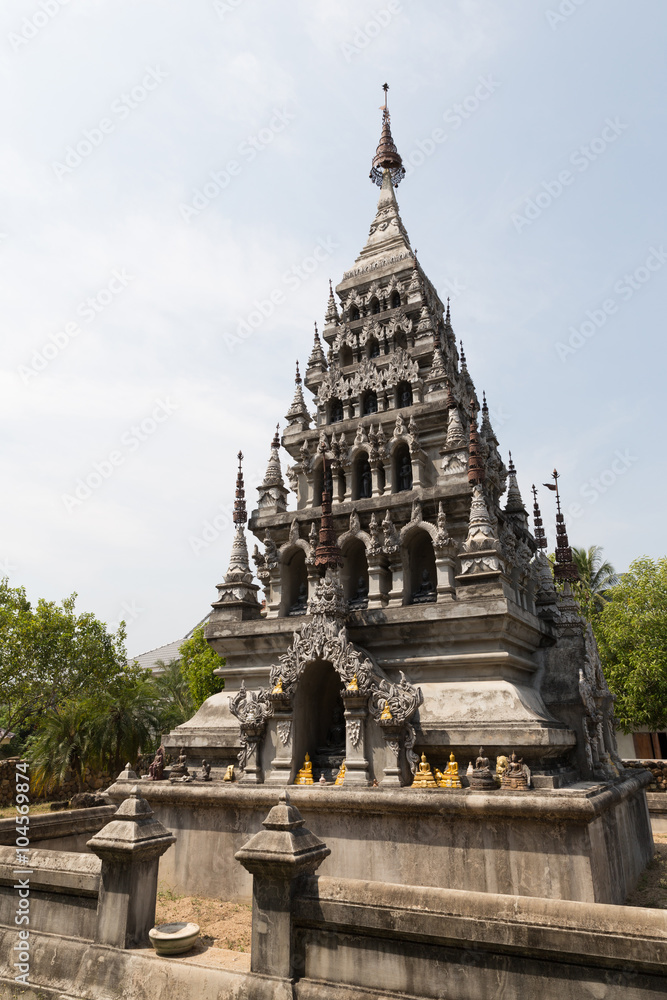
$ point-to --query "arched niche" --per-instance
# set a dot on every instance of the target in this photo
(345, 356)
(403, 395)
(369, 403)
(400, 340)
(362, 478)
(294, 583)
(354, 574)
(420, 574)
(373, 347)
(375, 306)
(354, 313)
(319, 721)
(395, 300)
(335, 411)
(401, 469)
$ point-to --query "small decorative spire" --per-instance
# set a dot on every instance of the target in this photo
(448, 319)
(464, 366)
(514, 503)
(451, 402)
(331, 317)
(298, 411)
(540, 536)
(438, 371)
(386, 155)
(476, 471)
(564, 568)
(276, 438)
(327, 554)
(273, 492)
(240, 514)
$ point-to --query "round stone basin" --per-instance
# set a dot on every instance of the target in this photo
(173, 939)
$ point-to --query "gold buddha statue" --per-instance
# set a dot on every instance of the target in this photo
(305, 775)
(386, 712)
(229, 773)
(353, 686)
(278, 689)
(501, 768)
(450, 778)
(340, 777)
(424, 776)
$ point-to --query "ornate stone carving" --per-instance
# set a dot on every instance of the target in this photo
(391, 542)
(253, 711)
(481, 550)
(388, 372)
(354, 729)
(403, 700)
(284, 732)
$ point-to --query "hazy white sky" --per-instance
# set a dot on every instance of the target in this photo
(172, 170)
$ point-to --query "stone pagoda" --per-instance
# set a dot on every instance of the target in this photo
(409, 610)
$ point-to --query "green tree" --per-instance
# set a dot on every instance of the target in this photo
(49, 654)
(198, 661)
(173, 702)
(60, 745)
(123, 720)
(596, 577)
(631, 632)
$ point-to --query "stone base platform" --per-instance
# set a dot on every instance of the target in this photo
(586, 842)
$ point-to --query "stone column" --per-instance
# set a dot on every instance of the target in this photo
(444, 566)
(282, 762)
(396, 592)
(252, 771)
(417, 471)
(376, 575)
(313, 580)
(391, 733)
(356, 713)
(277, 858)
(130, 846)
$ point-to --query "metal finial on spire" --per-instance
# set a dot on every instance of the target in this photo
(476, 470)
(540, 535)
(240, 515)
(297, 377)
(327, 554)
(464, 366)
(448, 319)
(485, 408)
(564, 568)
(451, 402)
(276, 438)
(386, 155)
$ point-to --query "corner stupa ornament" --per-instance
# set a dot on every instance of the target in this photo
(298, 415)
(481, 551)
(386, 156)
(273, 492)
(237, 594)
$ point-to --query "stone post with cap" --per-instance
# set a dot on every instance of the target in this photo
(278, 857)
(130, 846)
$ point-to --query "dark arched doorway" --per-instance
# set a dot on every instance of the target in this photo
(319, 721)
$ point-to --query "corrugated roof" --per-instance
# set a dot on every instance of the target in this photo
(170, 651)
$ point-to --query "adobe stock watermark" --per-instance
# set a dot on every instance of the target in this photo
(22, 871)
(224, 7)
(365, 33)
(625, 288)
(121, 108)
(247, 151)
(130, 442)
(565, 9)
(34, 23)
(453, 117)
(129, 613)
(88, 309)
(600, 484)
(292, 281)
(581, 158)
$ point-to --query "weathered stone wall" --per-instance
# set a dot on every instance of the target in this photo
(93, 781)
(567, 844)
(658, 769)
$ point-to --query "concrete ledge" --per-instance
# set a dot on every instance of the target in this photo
(55, 871)
(563, 930)
(581, 803)
(49, 826)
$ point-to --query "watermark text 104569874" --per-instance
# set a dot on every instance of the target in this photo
(22, 872)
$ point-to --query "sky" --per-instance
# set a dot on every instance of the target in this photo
(180, 181)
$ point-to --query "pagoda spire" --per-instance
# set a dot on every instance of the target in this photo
(515, 506)
(564, 568)
(317, 364)
(298, 412)
(327, 554)
(540, 536)
(237, 594)
(331, 317)
(386, 156)
(448, 318)
(273, 492)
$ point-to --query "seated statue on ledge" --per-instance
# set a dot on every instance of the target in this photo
(360, 599)
(156, 769)
(426, 592)
(328, 758)
(301, 603)
(180, 769)
(366, 482)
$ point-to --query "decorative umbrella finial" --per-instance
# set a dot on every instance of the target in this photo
(386, 155)
(240, 515)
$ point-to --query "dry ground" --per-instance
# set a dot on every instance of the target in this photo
(652, 886)
(223, 925)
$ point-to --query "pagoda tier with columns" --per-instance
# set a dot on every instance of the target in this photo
(408, 607)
